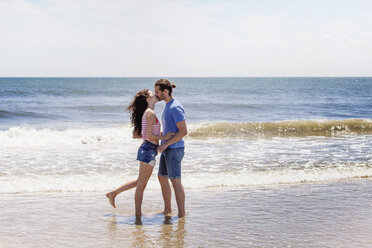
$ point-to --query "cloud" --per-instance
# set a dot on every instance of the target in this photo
(183, 38)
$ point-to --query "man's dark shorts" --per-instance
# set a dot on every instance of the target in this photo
(170, 162)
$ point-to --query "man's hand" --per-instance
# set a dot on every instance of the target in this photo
(161, 148)
(169, 135)
(137, 136)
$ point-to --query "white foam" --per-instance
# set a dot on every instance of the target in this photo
(31, 137)
(106, 182)
(20, 136)
(272, 177)
(100, 159)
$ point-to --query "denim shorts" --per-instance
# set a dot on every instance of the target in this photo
(170, 162)
(147, 153)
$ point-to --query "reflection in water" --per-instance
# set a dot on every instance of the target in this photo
(113, 230)
(163, 231)
(140, 237)
(170, 237)
(112, 224)
(167, 220)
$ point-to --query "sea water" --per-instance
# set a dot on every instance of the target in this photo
(269, 162)
(74, 135)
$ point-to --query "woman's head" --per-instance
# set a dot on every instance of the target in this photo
(163, 88)
(140, 103)
(151, 99)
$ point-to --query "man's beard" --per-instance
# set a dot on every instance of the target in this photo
(161, 97)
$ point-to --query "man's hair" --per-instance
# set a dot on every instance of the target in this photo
(165, 84)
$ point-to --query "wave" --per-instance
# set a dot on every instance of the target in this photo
(100, 108)
(28, 137)
(293, 128)
(243, 179)
(7, 115)
(31, 137)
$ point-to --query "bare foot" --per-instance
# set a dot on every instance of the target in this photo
(138, 220)
(111, 198)
(167, 212)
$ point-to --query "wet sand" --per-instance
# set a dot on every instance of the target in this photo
(332, 214)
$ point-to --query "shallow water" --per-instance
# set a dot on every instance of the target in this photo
(334, 214)
(270, 162)
(61, 162)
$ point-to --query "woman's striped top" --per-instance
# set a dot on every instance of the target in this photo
(155, 128)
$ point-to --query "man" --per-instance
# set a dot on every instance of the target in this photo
(173, 119)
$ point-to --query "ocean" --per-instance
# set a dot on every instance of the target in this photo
(65, 137)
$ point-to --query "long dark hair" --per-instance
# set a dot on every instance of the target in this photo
(137, 108)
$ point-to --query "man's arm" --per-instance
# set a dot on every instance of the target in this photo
(182, 131)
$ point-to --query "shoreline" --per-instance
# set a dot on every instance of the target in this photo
(303, 215)
(154, 188)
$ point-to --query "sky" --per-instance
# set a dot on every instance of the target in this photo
(164, 38)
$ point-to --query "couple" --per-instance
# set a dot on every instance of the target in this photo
(147, 127)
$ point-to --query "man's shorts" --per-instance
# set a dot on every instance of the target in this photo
(147, 153)
(170, 162)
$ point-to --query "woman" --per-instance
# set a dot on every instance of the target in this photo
(147, 126)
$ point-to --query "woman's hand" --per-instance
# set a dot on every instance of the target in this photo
(161, 148)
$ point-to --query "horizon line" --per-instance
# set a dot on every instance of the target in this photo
(185, 76)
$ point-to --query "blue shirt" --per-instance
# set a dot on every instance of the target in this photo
(172, 114)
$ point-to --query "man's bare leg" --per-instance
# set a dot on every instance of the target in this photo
(166, 192)
(180, 196)
(111, 195)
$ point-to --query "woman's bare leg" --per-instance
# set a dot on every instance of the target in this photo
(111, 195)
(145, 172)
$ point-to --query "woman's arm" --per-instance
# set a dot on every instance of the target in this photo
(150, 118)
(182, 131)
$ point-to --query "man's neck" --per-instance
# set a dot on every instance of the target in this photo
(168, 99)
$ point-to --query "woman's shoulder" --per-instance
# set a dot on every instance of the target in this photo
(148, 110)
(150, 113)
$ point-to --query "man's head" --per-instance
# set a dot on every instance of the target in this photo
(163, 89)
